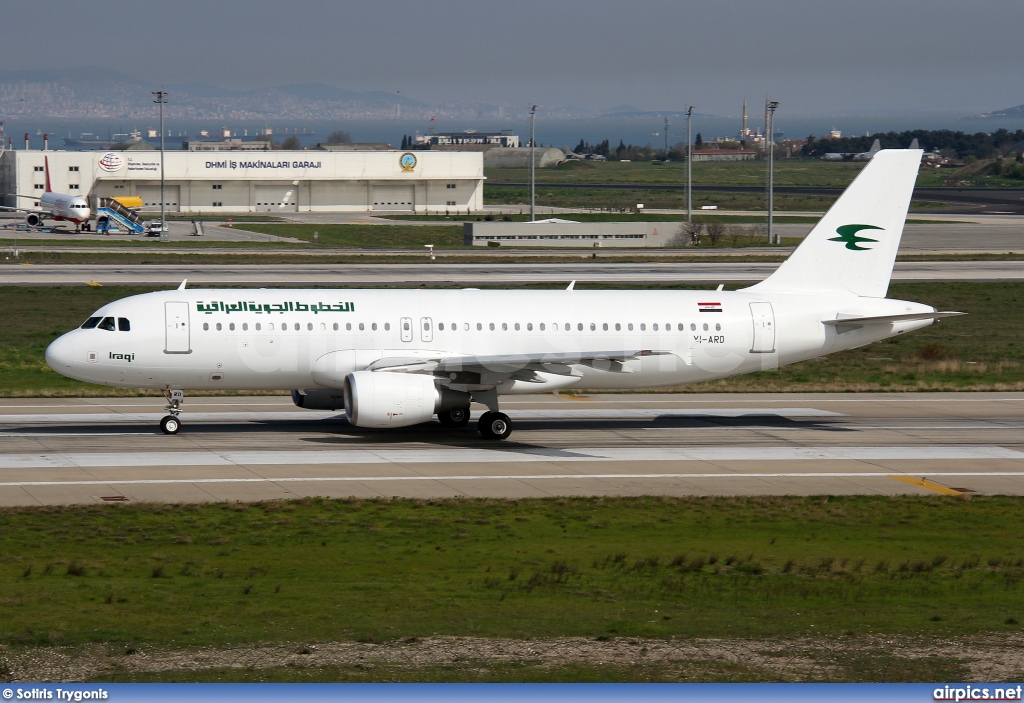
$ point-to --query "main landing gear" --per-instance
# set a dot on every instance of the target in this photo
(459, 417)
(170, 424)
(494, 425)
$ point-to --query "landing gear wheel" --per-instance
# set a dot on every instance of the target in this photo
(459, 417)
(495, 425)
(170, 424)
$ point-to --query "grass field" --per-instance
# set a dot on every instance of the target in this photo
(138, 576)
(981, 351)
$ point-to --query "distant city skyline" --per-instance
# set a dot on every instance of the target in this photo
(836, 58)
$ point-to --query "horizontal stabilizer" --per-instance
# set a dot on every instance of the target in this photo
(882, 319)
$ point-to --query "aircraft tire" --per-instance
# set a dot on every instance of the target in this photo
(169, 424)
(495, 425)
(459, 417)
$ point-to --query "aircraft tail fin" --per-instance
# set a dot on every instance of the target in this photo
(914, 144)
(876, 147)
(853, 247)
(46, 167)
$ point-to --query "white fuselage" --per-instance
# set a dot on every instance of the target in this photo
(271, 339)
(61, 206)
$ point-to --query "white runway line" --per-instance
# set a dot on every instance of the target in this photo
(512, 477)
(498, 455)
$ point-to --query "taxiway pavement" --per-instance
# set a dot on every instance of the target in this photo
(66, 451)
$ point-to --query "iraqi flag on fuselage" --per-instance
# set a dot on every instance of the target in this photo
(709, 307)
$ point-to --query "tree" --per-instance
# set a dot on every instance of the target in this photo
(714, 230)
(292, 143)
(693, 231)
(405, 141)
(698, 142)
(339, 137)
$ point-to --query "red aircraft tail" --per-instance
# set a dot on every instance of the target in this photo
(46, 166)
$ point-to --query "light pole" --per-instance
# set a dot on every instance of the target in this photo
(161, 100)
(772, 105)
(533, 165)
(689, 166)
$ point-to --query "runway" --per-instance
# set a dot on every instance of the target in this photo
(491, 273)
(66, 451)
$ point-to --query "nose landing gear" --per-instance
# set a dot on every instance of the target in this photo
(170, 424)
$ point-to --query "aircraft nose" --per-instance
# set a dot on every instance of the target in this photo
(61, 353)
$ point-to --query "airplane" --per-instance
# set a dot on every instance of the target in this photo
(855, 156)
(59, 206)
(396, 358)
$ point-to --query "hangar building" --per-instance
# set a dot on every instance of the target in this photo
(273, 181)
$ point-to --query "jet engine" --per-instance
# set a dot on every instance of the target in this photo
(319, 400)
(33, 219)
(385, 399)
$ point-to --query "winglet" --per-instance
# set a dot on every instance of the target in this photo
(182, 286)
(571, 285)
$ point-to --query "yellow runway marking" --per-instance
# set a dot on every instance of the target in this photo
(94, 284)
(928, 485)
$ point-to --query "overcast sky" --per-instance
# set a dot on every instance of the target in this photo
(817, 57)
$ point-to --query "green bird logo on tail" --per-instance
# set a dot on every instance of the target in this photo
(848, 234)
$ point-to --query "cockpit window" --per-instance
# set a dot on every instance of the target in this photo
(107, 323)
(123, 325)
(91, 322)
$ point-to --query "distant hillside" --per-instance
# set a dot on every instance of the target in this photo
(1017, 111)
(101, 93)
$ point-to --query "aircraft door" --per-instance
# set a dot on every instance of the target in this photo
(406, 329)
(177, 338)
(426, 329)
(764, 328)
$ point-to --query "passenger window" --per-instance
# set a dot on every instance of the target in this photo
(465, 326)
(232, 327)
(492, 327)
(479, 327)
(605, 327)
(579, 326)
(335, 326)
(284, 326)
(618, 327)
(374, 326)
(206, 327)
(593, 327)
(643, 327)
(361, 327)
(680, 326)
(91, 323)
(323, 326)
(567, 327)
(517, 327)
(655, 327)
(693, 327)
(297, 326)
(705, 327)
(309, 325)
(630, 327)
(270, 326)
(405, 326)
(107, 323)
(258, 327)
(123, 325)
(718, 327)
(529, 327)
(245, 326)
(504, 327)
(440, 326)
(387, 326)
(348, 326)
(542, 327)
(219, 327)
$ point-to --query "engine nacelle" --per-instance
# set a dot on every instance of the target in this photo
(385, 399)
(319, 400)
(33, 219)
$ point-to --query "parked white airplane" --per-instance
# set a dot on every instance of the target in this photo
(393, 358)
(876, 146)
(59, 206)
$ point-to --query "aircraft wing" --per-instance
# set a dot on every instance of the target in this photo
(882, 319)
(505, 365)
(18, 209)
